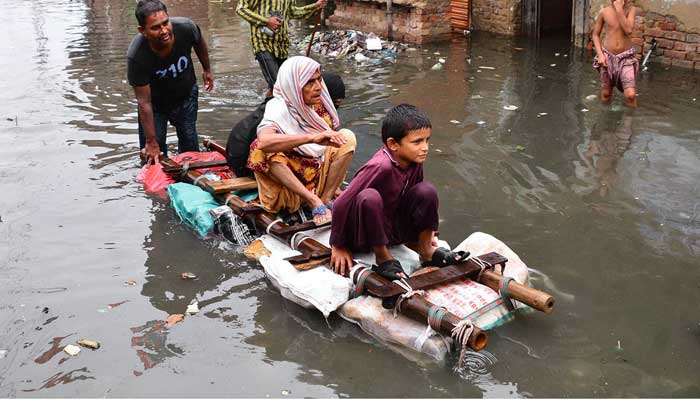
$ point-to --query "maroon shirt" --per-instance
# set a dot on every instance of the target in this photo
(383, 173)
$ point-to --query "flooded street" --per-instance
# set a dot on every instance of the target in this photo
(603, 202)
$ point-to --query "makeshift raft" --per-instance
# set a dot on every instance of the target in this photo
(429, 313)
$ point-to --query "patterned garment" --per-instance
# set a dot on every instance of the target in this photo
(257, 12)
(621, 71)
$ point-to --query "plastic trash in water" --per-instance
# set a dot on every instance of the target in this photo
(359, 57)
(188, 276)
(552, 65)
(481, 123)
(90, 344)
(486, 67)
(72, 350)
(436, 67)
(454, 121)
(373, 43)
(510, 107)
(542, 114)
(441, 60)
(591, 97)
(584, 110)
(193, 308)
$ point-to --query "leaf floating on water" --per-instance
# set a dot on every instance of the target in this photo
(174, 319)
(510, 107)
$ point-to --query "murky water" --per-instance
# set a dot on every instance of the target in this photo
(603, 203)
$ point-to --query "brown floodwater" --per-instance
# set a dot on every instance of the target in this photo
(601, 201)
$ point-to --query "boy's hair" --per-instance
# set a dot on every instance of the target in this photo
(144, 8)
(335, 85)
(402, 119)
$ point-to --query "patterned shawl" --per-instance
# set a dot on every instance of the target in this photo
(288, 114)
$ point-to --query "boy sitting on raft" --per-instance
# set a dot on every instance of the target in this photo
(388, 203)
(616, 60)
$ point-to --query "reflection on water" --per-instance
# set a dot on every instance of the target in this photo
(601, 200)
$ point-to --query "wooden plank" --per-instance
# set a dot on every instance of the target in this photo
(227, 185)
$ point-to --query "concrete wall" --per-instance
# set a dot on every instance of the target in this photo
(674, 24)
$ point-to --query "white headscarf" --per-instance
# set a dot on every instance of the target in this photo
(288, 114)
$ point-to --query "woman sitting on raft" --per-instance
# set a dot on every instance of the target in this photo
(299, 158)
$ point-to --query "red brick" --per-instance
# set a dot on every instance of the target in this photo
(682, 46)
(697, 66)
(674, 35)
(693, 38)
(668, 26)
(654, 32)
(665, 44)
(693, 57)
(663, 60)
(637, 33)
(682, 63)
(680, 55)
(638, 41)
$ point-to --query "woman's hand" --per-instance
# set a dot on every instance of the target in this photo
(329, 138)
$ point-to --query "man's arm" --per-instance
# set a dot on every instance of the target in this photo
(596, 39)
(305, 11)
(245, 9)
(203, 54)
(143, 98)
(626, 21)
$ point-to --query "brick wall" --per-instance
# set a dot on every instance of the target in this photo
(499, 16)
(675, 45)
(413, 21)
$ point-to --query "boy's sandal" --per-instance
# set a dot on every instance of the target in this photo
(443, 257)
(390, 269)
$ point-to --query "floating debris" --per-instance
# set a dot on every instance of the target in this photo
(556, 54)
(486, 67)
(454, 121)
(481, 123)
(518, 48)
(591, 97)
(356, 44)
(188, 276)
(286, 392)
(552, 65)
(130, 283)
(584, 110)
(476, 96)
(91, 344)
(436, 67)
(441, 60)
(520, 147)
(174, 319)
(72, 350)
(3, 353)
(542, 114)
(193, 308)
(510, 108)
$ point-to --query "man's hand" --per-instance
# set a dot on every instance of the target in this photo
(619, 5)
(152, 153)
(208, 77)
(341, 260)
(321, 4)
(602, 61)
(329, 138)
(274, 23)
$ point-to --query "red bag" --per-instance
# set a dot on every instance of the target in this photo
(155, 180)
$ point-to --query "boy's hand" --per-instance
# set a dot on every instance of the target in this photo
(321, 3)
(619, 5)
(601, 60)
(341, 260)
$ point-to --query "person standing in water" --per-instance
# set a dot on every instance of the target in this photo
(269, 36)
(161, 71)
(616, 60)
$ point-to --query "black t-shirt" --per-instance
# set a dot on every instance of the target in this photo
(240, 138)
(171, 78)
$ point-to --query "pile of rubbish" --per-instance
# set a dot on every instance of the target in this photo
(353, 44)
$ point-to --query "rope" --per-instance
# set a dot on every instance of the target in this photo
(359, 276)
(461, 334)
(196, 181)
(505, 293)
(403, 284)
(292, 241)
(185, 168)
(278, 220)
(435, 316)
